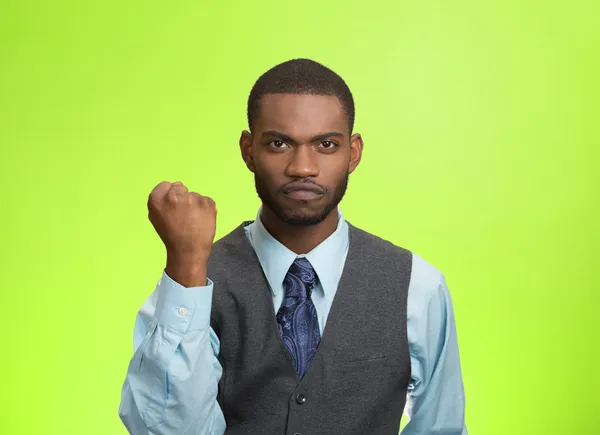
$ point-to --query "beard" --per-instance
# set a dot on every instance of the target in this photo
(300, 218)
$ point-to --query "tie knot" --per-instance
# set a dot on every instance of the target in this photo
(300, 279)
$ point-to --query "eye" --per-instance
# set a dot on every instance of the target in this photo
(328, 144)
(278, 144)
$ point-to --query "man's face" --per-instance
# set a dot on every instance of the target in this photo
(301, 153)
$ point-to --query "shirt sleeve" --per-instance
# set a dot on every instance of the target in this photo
(172, 380)
(436, 399)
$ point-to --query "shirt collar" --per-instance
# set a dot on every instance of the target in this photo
(327, 258)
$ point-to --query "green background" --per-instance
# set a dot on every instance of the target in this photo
(480, 121)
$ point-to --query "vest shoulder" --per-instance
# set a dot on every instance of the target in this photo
(229, 238)
(377, 242)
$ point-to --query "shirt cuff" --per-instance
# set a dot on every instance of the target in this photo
(183, 308)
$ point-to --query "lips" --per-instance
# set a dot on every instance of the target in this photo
(303, 191)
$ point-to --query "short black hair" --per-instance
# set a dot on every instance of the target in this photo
(301, 76)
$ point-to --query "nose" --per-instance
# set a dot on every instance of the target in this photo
(303, 163)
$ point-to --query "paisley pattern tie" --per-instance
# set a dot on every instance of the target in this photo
(297, 317)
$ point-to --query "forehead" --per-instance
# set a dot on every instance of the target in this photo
(301, 115)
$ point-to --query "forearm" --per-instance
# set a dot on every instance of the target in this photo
(172, 392)
(172, 380)
(436, 399)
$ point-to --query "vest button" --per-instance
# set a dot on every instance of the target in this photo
(301, 398)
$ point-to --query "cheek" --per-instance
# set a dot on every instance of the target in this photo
(267, 170)
(337, 169)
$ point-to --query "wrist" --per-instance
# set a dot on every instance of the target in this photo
(188, 271)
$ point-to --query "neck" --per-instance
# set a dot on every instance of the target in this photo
(299, 239)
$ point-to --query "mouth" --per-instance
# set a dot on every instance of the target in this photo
(303, 195)
(303, 192)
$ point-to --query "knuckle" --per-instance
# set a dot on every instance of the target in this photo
(197, 197)
(160, 187)
(208, 203)
(171, 196)
(188, 199)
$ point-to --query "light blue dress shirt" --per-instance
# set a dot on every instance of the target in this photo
(171, 383)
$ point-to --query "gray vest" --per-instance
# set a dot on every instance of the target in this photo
(358, 380)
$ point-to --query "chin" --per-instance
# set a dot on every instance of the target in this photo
(303, 217)
(302, 220)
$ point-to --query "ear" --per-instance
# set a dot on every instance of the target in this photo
(356, 149)
(246, 149)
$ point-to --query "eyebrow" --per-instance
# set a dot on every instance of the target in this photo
(286, 138)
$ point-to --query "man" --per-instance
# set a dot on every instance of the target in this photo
(297, 322)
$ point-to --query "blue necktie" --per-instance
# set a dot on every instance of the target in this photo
(297, 317)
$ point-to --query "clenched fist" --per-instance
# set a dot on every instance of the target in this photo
(186, 223)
